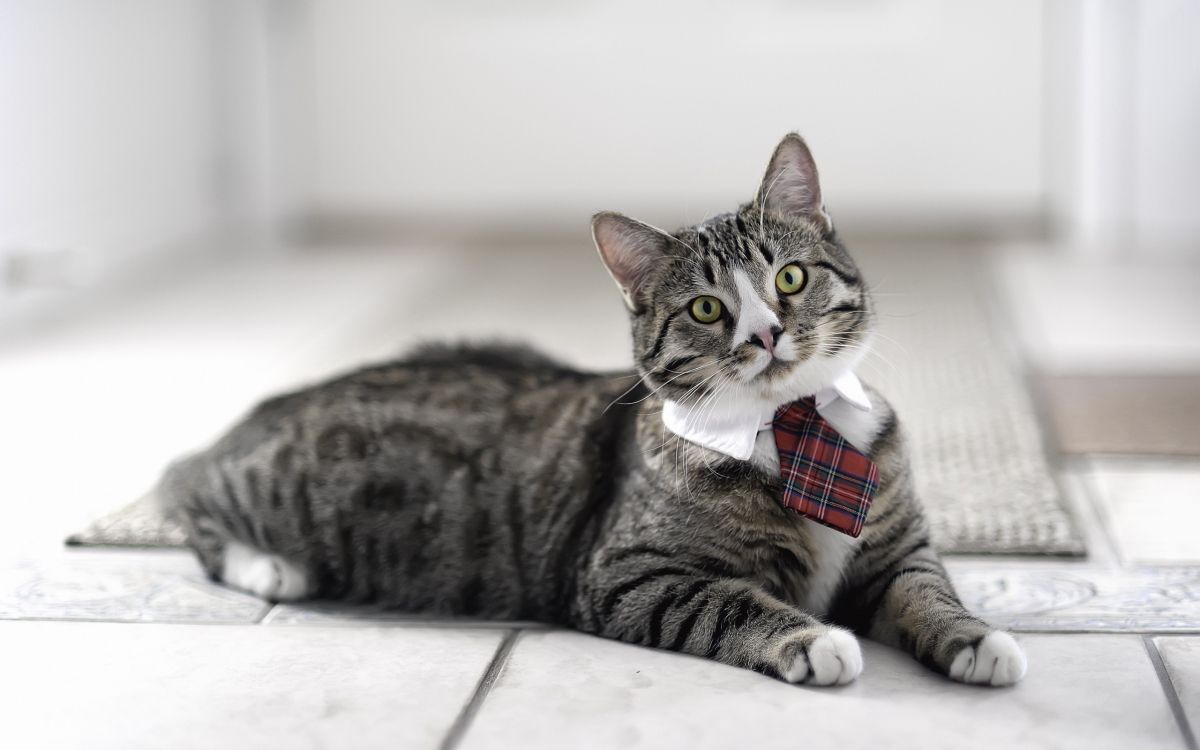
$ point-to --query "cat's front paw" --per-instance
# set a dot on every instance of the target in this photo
(996, 660)
(831, 658)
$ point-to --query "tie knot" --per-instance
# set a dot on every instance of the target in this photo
(800, 410)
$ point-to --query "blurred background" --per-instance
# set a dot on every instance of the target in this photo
(202, 201)
(206, 201)
(133, 129)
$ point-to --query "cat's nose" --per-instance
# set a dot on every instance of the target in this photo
(767, 338)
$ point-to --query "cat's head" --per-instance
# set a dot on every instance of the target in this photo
(765, 301)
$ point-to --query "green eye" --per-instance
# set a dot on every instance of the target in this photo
(790, 279)
(706, 309)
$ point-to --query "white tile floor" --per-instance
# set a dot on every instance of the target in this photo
(564, 689)
(1147, 504)
(122, 386)
(104, 685)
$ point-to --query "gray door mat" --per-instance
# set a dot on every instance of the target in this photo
(943, 360)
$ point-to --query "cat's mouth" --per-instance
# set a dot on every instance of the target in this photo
(775, 368)
(770, 372)
(795, 364)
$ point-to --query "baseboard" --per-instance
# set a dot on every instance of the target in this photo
(386, 227)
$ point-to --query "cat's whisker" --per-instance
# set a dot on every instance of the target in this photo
(715, 361)
(708, 407)
(702, 397)
(846, 343)
(658, 449)
(881, 335)
(762, 205)
(706, 404)
(869, 351)
(683, 399)
(876, 313)
(789, 234)
(654, 391)
(694, 391)
(708, 466)
(641, 379)
(673, 238)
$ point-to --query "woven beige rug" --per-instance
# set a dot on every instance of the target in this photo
(980, 457)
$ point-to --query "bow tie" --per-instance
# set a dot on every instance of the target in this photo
(824, 477)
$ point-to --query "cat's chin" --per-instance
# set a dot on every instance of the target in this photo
(783, 381)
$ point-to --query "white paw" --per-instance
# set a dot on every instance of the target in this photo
(833, 658)
(997, 660)
(266, 576)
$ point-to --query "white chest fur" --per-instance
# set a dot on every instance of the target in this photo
(831, 549)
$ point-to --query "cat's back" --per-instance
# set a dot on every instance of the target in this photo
(459, 400)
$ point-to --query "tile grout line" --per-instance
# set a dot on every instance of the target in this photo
(1164, 678)
(461, 723)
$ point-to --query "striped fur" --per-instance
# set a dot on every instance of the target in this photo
(494, 482)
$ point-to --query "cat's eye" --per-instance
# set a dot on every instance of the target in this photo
(706, 309)
(790, 279)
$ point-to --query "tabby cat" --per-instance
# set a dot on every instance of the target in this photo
(493, 481)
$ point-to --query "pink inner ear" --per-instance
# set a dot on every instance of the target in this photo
(794, 192)
(791, 186)
(628, 248)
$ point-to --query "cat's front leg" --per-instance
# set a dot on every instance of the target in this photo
(729, 620)
(908, 601)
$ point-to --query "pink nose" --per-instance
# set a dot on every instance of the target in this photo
(767, 338)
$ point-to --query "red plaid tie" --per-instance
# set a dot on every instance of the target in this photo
(824, 477)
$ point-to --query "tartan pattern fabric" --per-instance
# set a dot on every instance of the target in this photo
(824, 477)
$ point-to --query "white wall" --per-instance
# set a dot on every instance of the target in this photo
(1131, 180)
(1166, 175)
(107, 127)
(915, 108)
(129, 126)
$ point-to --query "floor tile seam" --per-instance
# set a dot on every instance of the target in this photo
(1170, 693)
(466, 716)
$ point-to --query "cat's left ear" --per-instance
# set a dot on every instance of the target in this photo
(791, 188)
(629, 249)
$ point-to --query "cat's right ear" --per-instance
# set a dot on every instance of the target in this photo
(629, 250)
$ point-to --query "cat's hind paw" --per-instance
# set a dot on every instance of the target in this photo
(996, 660)
(832, 658)
(266, 576)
